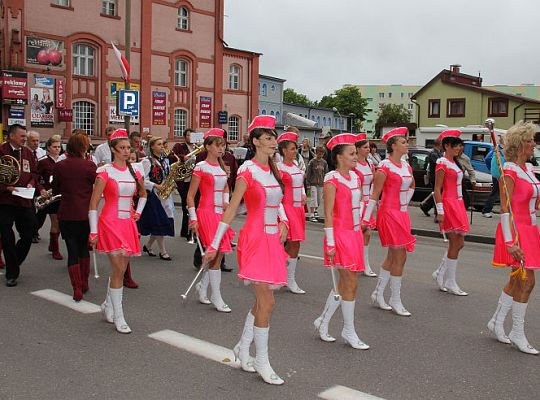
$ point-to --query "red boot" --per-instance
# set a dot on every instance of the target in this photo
(75, 277)
(128, 282)
(84, 264)
(54, 247)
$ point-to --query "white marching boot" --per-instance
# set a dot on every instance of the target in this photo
(378, 294)
(368, 271)
(321, 323)
(496, 323)
(349, 333)
(241, 350)
(106, 306)
(291, 276)
(395, 297)
(517, 334)
(262, 364)
(215, 298)
(202, 289)
(438, 274)
(450, 282)
(119, 321)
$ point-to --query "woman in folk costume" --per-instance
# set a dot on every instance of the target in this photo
(394, 180)
(451, 212)
(157, 220)
(522, 248)
(343, 238)
(210, 179)
(366, 169)
(294, 199)
(115, 232)
(261, 257)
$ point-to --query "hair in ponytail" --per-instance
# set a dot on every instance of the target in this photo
(140, 187)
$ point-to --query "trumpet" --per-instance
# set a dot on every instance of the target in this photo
(41, 202)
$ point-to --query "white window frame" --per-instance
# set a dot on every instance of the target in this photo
(84, 116)
(234, 128)
(83, 59)
(234, 77)
(264, 90)
(109, 7)
(180, 121)
(63, 3)
(182, 21)
(181, 75)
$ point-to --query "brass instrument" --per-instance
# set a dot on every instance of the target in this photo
(179, 171)
(10, 170)
(41, 202)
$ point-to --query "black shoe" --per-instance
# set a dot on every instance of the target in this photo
(11, 282)
(224, 268)
(162, 256)
(426, 212)
(35, 239)
(147, 251)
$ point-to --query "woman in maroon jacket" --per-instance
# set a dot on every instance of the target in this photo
(74, 179)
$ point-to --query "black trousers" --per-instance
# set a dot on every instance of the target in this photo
(75, 234)
(183, 189)
(25, 223)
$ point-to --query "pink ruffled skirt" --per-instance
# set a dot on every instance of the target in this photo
(529, 240)
(118, 236)
(394, 228)
(349, 250)
(297, 223)
(455, 216)
(208, 223)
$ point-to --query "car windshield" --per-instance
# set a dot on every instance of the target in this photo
(479, 153)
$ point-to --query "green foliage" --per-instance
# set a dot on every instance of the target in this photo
(347, 100)
(391, 114)
(291, 96)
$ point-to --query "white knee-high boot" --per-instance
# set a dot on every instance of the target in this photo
(106, 306)
(517, 334)
(291, 276)
(450, 283)
(496, 323)
(368, 271)
(202, 288)
(378, 294)
(349, 333)
(438, 274)
(395, 297)
(119, 321)
(215, 298)
(241, 350)
(321, 323)
(262, 364)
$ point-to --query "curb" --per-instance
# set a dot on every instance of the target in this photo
(468, 237)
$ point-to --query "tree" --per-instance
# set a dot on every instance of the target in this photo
(291, 96)
(393, 115)
(347, 101)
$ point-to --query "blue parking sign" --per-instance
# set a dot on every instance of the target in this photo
(128, 102)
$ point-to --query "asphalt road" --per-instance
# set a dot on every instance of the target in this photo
(48, 351)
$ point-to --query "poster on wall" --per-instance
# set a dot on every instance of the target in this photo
(16, 115)
(44, 51)
(41, 108)
(43, 82)
(60, 93)
(205, 112)
(159, 108)
(115, 86)
(14, 87)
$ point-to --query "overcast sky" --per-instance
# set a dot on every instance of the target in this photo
(318, 46)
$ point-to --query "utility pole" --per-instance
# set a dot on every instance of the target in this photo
(127, 37)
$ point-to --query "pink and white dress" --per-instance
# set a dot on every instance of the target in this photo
(116, 225)
(365, 170)
(211, 203)
(347, 221)
(393, 220)
(261, 255)
(524, 200)
(455, 214)
(293, 180)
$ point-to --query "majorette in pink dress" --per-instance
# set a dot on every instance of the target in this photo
(261, 255)
(523, 201)
(455, 214)
(347, 220)
(293, 180)
(393, 220)
(210, 209)
(116, 226)
(365, 170)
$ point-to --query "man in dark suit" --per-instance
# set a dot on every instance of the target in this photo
(15, 209)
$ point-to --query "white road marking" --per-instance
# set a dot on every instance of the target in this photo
(344, 393)
(313, 257)
(196, 346)
(82, 306)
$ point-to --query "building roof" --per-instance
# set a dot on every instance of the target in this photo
(310, 107)
(470, 82)
(272, 78)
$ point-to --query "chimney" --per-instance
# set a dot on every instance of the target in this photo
(455, 68)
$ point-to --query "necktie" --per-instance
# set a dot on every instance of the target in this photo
(17, 154)
(35, 154)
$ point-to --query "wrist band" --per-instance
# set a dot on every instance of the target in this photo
(506, 231)
(369, 210)
(220, 232)
(329, 235)
(140, 205)
(93, 219)
(192, 214)
(440, 208)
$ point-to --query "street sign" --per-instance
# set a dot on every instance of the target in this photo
(223, 117)
(128, 102)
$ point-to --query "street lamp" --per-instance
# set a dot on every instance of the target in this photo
(334, 109)
(351, 116)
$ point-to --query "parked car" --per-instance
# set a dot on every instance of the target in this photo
(419, 161)
(477, 152)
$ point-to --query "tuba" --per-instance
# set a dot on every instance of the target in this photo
(41, 202)
(10, 170)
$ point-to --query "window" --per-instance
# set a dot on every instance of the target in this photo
(63, 3)
(273, 88)
(278, 117)
(263, 112)
(264, 89)
(181, 73)
(180, 122)
(83, 60)
(389, 95)
(183, 19)
(434, 108)
(84, 116)
(381, 106)
(234, 77)
(410, 95)
(318, 120)
(455, 107)
(324, 121)
(234, 124)
(108, 7)
(272, 112)
(259, 88)
(402, 94)
(498, 107)
(381, 95)
(410, 106)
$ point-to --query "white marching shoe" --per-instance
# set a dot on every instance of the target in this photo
(262, 364)
(107, 308)
(348, 333)
(323, 330)
(241, 350)
(202, 289)
(496, 323)
(395, 297)
(438, 274)
(368, 271)
(517, 334)
(291, 277)
(321, 323)
(215, 284)
(450, 283)
(119, 321)
(378, 294)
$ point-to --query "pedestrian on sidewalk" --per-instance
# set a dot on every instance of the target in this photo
(451, 212)
(316, 170)
(434, 155)
(495, 175)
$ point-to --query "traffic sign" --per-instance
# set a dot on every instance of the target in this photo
(128, 102)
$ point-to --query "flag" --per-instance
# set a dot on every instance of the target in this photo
(124, 65)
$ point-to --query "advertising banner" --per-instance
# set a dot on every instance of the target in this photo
(205, 112)
(44, 51)
(114, 118)
(65, 115)
(16, 115)
(43, 82)
(14, 87)
(60, 93)
(115, 86)
(159, 108)
(41, 108)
